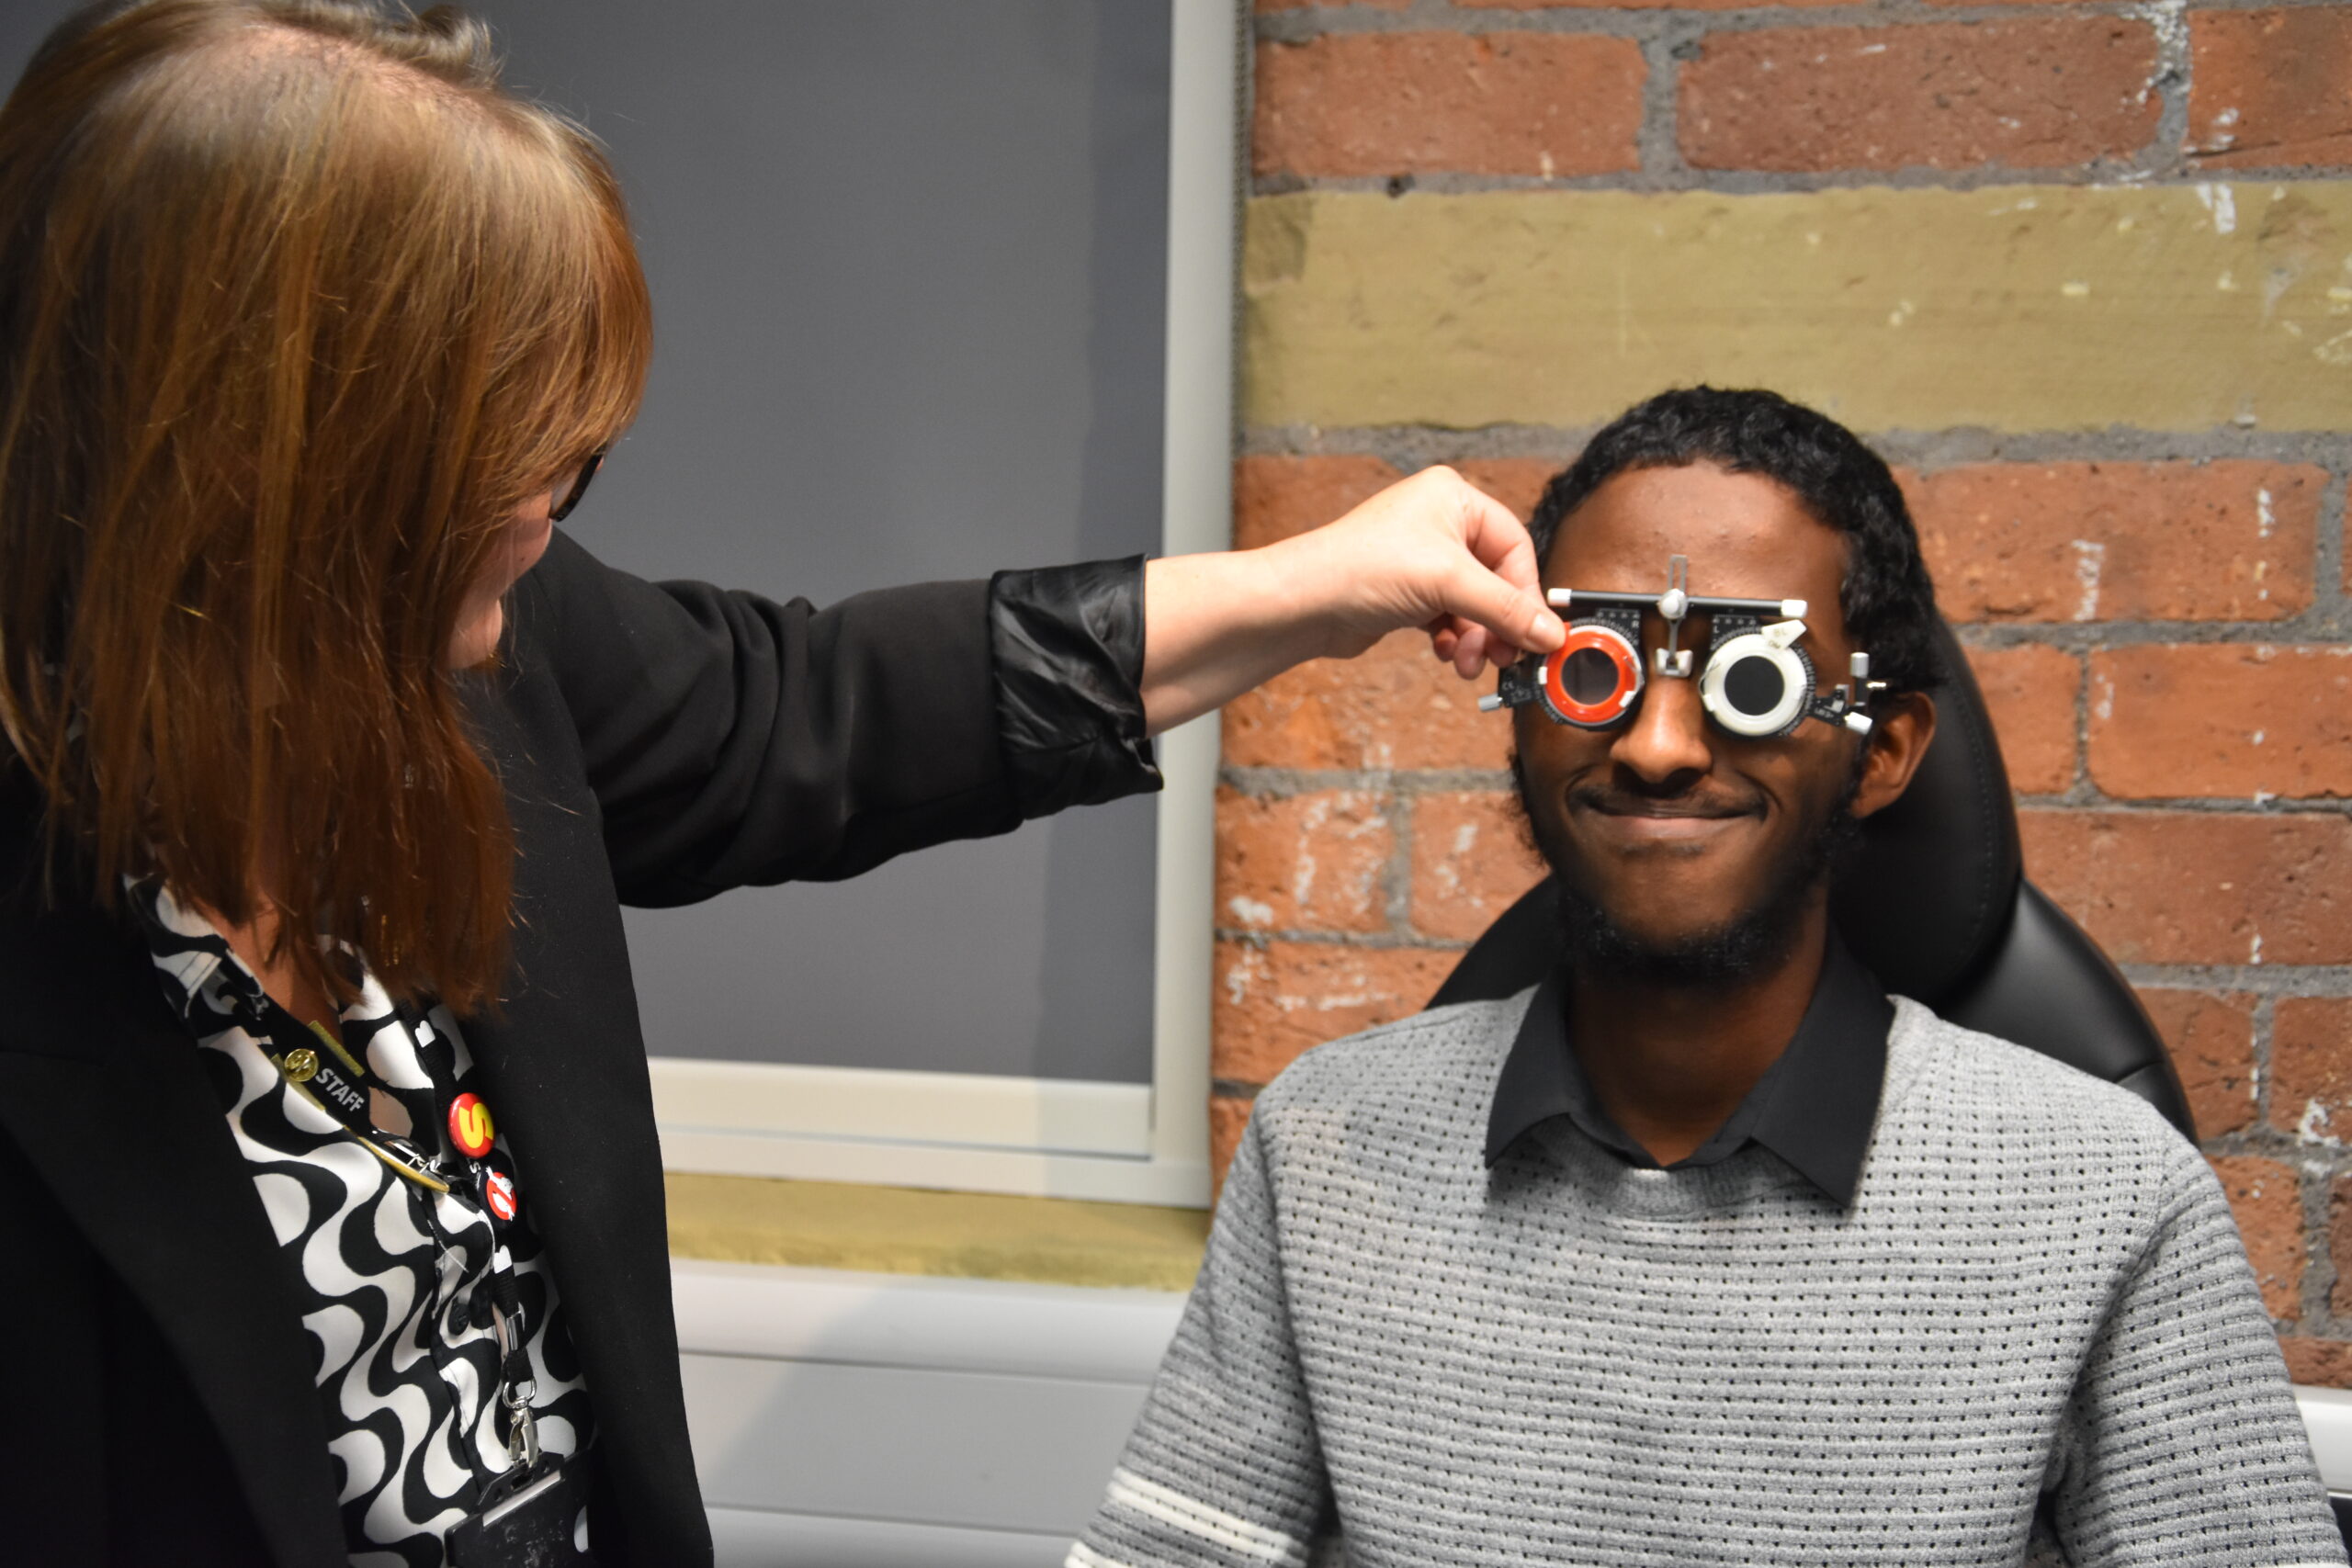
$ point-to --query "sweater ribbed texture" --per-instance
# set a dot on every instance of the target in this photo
(2034, 1331)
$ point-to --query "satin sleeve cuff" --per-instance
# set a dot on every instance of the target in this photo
(1067, 647)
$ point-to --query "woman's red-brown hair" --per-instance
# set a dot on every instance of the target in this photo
(296, 309)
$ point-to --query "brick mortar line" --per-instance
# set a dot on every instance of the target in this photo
(2313, 1178)
(2319, 1268)
(1932, 450)
(2169, 152)
(1299, 23)
(1389, 941)
(2270, 981)
(1411, 446)
(1413, 784)
(1658, 142)
(2258, 1057)
(2315, 623)
(2085, 796)
(2095, 805)
(2266, 982)
(1401, 815)
(2263, 1141)
(2310, 627)
(2261, 1082)
(2078, 775)
(1278, 784)
(2290, 981)
(2328, 587)
(2179, 168)
(1679, 177)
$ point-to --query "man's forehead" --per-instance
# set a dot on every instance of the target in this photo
(1744, 535)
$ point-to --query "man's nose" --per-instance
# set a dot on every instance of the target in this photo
(1668, 734)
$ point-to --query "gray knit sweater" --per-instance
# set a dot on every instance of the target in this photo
(2034, 1331)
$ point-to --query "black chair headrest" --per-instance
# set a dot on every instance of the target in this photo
(1930, 892)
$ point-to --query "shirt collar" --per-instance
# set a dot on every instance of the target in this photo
(1814, 1107)
(193, 960)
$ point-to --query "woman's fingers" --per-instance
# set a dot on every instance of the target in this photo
(1495, 596)
(1510, 618)
(1470, 651)
(1432, 551)
(1497, 539)
(1482, 578)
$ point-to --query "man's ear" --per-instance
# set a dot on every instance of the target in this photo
(1897, 742)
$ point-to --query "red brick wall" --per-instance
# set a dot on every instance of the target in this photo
(2157, 618)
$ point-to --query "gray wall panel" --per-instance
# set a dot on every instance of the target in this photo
(908, 260)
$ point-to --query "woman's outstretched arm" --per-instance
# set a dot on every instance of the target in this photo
(1431, 551)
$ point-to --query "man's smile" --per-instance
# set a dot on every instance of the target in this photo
(1631, 819)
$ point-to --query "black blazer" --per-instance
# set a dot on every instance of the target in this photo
(658, 744)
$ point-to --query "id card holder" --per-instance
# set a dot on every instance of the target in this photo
(533, 1520)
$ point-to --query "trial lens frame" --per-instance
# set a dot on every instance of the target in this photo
(1756, 682)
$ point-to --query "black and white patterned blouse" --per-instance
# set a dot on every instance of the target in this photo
(393, 1276)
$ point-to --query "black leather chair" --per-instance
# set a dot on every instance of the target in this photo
(1937, 904)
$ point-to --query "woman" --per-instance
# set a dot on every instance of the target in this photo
(332, 1199)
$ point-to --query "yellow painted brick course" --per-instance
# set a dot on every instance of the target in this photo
(895, 1230)
(2016, 308)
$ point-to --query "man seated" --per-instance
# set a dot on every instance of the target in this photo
(1706, 1249)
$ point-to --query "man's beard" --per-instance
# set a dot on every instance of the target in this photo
(1752, 942)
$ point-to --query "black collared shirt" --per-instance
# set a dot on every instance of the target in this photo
(1814, 1107)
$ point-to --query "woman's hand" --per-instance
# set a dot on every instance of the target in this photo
(1432, 551)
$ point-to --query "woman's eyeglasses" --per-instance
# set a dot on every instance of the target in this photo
(579, 482)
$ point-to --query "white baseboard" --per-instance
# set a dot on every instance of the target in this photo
(748, 1539)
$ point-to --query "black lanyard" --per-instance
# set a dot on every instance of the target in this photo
(324, 1071)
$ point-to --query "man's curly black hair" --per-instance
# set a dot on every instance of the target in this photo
(1888, 600)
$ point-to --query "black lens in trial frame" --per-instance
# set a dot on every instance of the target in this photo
(580, 482)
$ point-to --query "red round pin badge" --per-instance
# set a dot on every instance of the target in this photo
(497, 1195)
(470, 1126)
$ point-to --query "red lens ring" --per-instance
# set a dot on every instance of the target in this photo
(1601, 639)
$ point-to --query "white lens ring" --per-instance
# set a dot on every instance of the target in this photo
(1755, 689)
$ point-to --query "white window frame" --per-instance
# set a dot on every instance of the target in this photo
(1054, 1137)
